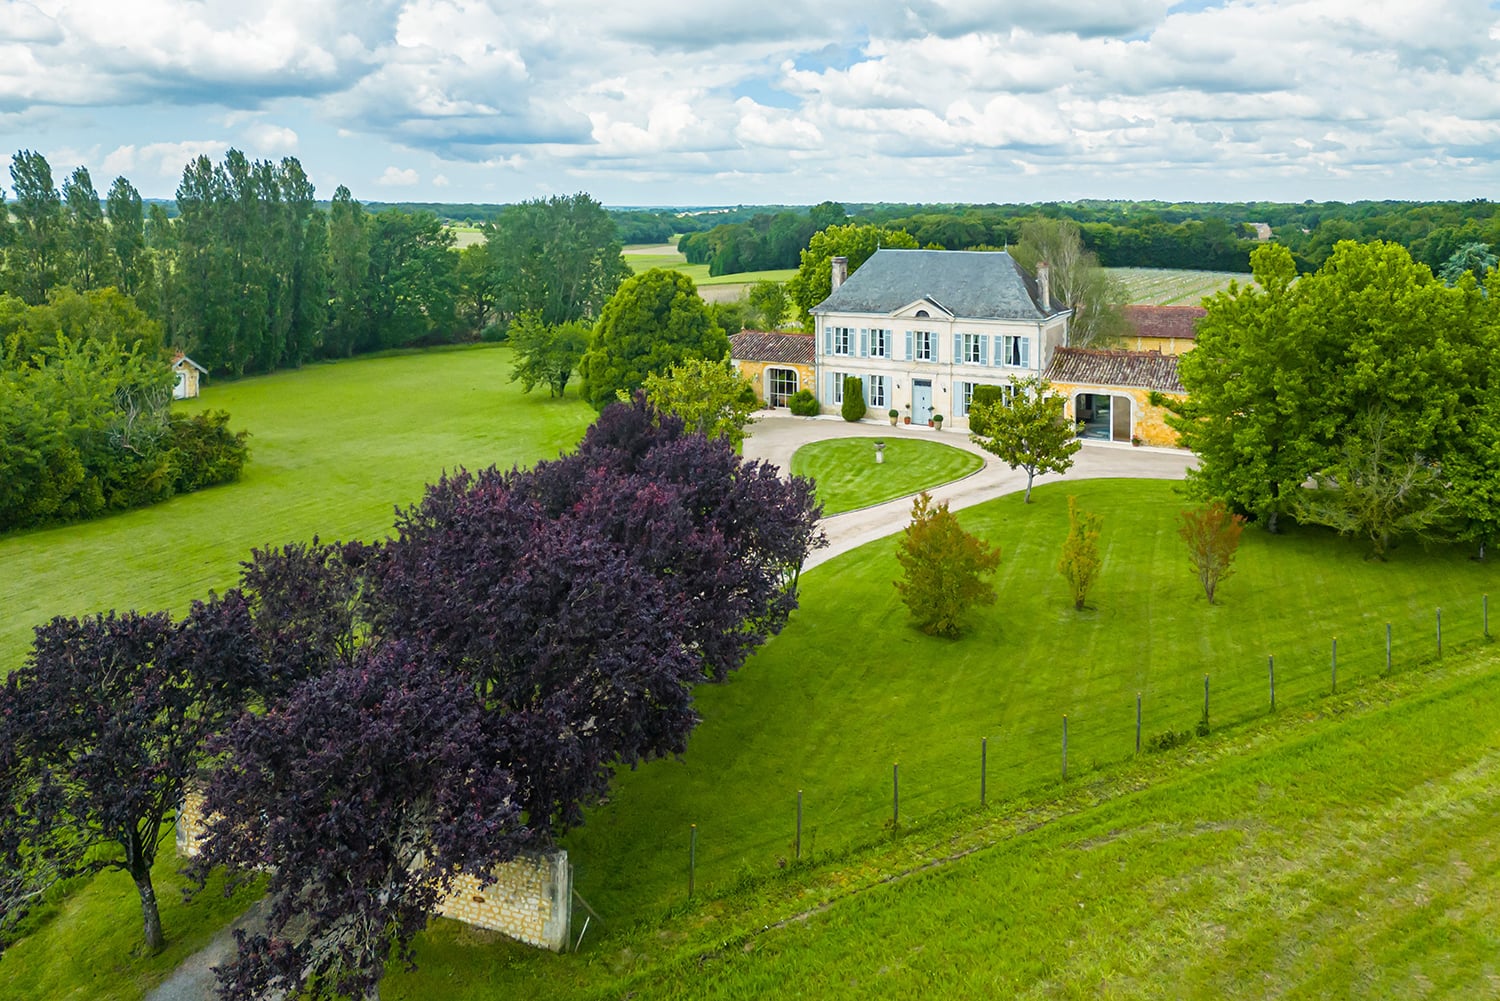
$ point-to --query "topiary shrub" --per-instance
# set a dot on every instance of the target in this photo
(983, 396)
(854, 398)
(804, 404)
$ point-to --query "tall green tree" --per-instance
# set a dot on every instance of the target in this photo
(546, 356)
(127, 235)
(86, 235)
(1252, 380)
(1076, 280)
(37, 261)
(558, 258)
(768, 302)
(304, 264)
(655, 320)
(1029, 432)
(348, 273)
(813, 281)
(204, 296)
(412, 286)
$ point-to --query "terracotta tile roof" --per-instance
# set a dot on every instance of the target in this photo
(762, 345)
(1165, 321)
(1135, 369)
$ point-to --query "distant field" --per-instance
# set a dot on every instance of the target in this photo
(644, 258)
(466, 236)
(1164, 287)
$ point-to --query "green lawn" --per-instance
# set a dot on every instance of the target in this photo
(848, 476)
(334, 449)
(849, 689)
(1345, 851)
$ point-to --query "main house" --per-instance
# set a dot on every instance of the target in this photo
(921, 328)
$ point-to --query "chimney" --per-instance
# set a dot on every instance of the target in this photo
(1044, 286)
(840, 271)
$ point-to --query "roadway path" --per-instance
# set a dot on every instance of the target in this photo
(774, 438)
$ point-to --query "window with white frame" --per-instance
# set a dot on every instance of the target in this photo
(880, 344)
(1015, 351)
(843, 340)
(965, 397)
(973, 352)
(838, 387)
(877, 391)
(924, 346)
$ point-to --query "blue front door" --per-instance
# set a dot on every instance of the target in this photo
(921, 401)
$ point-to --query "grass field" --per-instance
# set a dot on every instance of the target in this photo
(849, 689)
(334, 449)
(466, 236)
(1347, 849)
(1164, 287)
(848, 476)
(645, 258)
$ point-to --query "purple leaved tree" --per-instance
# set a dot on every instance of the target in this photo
(101, 728)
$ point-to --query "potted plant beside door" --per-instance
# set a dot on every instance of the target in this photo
(893, 413)
(937, 421)
(908, 413)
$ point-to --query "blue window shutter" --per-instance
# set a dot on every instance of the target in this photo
(864, 342)
(984, 350)
(866, 380)
(828, 340)
(958, 348)
(908, 345)
(1026, 351)
(999, 349)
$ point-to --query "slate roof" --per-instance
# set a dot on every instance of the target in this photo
(1165, 321)
(970, 284)
(1134, 369)
(770, 346)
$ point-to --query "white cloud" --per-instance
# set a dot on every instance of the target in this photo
(915, 99)
(156, 161)
(396, 177)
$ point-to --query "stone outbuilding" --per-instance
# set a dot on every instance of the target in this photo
(1109, 393)
(1168, 329)
(186, 374)
(777, 364)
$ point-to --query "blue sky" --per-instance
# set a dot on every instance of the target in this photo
(655, 103)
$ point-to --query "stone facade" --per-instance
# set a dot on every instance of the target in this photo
(758, 355)
(531, 899)
(1147, 420)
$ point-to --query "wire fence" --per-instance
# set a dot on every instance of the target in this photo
(962, 770)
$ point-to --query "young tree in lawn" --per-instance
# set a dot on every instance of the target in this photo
(1080, 562)
(1212, 535)
(105, 722)
(942, 569)
(710, 396)
(546, 355)
(1029, 432)
(655, 320)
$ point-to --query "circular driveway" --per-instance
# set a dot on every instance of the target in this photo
(774, 438)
